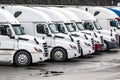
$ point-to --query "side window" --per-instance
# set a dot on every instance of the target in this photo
(60, 28)
(113, 23)
(88, 26)
(40, 29)
(3, 30)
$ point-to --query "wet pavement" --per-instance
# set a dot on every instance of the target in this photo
(98, 66)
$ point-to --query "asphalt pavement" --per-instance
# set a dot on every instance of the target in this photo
(98, 66)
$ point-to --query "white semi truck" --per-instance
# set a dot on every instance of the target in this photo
(61, 21)
(90, 23)
(36, 23)
(17, 47)
(76, 21)
(115, 21)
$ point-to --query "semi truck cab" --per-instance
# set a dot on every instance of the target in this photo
(110, 38)
(19, 48)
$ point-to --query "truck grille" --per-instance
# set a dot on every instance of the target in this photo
(93, 44)
(79, 48)
(102, 41)
(45, 49)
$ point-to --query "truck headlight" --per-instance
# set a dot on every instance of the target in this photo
(37, 49)
(73, 46)
(87, 44)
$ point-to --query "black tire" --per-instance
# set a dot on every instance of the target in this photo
(107, 46)
(22, 58)
(81, 52)
(59, 54)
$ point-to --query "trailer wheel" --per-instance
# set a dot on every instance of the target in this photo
(22, 58)
(58, 54)
(106, 46)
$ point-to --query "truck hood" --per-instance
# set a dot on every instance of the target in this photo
(103, 31)
(107, 32)
(92, 33)
(31, 38)
(65, 36)
(87, 32)
(77, 33)
(62, 35)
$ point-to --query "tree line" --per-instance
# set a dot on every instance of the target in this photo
(63, 2)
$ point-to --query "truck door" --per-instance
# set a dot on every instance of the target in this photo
(6, 43)
(42, 31)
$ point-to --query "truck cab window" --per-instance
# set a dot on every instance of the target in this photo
(60, 28)
(18, 30)
(3, 29)
(113, 23)
(88, 26)
(70, 27)
(41, 28)
(53, 28)
(80, 26)
(98, 27)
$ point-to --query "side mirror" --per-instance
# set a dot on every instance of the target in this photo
(22, 28)
(63, 29)
(91, 27)
(9, 32)
(118, 25)
(46, 31)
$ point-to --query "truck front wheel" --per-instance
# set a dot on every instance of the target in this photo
(22, 58)
(106, 46)
(58, 54)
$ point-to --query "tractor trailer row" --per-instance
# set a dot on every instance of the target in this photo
(34, 34)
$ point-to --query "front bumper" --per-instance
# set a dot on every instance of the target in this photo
(113, 45)
(72, 53)
(38, 57)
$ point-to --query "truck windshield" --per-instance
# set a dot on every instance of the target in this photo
(53, 28)
(80, 26)
(18, 30)
(70, 27)
(98, 27)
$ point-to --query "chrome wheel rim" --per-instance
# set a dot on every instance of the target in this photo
(22, 59)
(58, 55)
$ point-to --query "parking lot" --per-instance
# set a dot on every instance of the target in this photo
(98, 66)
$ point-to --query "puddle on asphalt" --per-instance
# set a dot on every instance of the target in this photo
(45, 72)
(52, 73)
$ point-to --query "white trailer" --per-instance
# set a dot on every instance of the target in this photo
(17, 47)
(90, 23)
(38, 24)
(62, 21)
